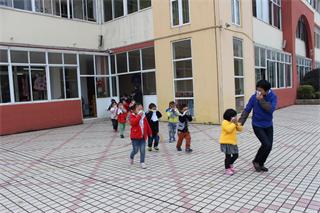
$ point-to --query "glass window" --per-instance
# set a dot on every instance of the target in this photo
(86, 65)
(7, 3)
(275, 14)
(183, 69)
(78, 9)
(47, 7)
(175, 12)
(19, 56)
(235, 11)
(102, 84)
(113, 66)
(114, 87)
(239, 86)
(39, 83)
(107, 8)
(149, 83)
(256, 56)
(4, 84)
(38, 57)
(239, 104)
(132, 6)
(180, 12)
(184, 88)
(3, 56)
(185, 11)
(102, 66)
(56, 7)
(238, 67)
(122, 63)
(148, 58)
(260, 74)
(57, 83)
(55, 58)
(280, 75)
(21, 83)
(237, 47)
(22, 4)
(70, 58)
(90, 11)
(182, 49)
(272, 73)
(188, 102)
(262, 57)
(118, 8)
(288, 75)
(64, 9)
(145, 4)
(134, 60)
(71, 82)
(38, 5)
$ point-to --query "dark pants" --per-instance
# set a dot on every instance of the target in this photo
(154, 138)
(114, 124)
(230, 159)
(138, 144)
(265, 136)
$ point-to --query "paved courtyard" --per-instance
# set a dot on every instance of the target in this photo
(85, 168)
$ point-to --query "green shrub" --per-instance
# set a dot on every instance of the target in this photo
(305, 92)
(317, 95)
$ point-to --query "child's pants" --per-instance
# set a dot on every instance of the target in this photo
(186, 136)
(115, 124)
(122, 127)
(172, 131)
(154, 138)
(230, 159)
(138, 144)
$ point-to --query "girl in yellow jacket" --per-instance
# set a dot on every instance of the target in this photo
(228, 139)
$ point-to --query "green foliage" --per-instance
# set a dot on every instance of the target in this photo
(305, 92)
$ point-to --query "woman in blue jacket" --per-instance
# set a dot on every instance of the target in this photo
(263, 103)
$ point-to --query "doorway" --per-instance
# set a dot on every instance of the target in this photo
(88, 97)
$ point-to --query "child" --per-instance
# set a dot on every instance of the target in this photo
(183, 129)
(228, 139)
(122, 118)
(153, 116)
(140, 131)
(173, 118)
(114, 116)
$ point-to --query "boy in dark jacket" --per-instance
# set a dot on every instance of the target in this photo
(183, 128)
(153, 116)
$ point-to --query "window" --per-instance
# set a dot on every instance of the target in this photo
(102, 67)
(304, 65)
(55, 58)
(86, 65)
(145, 4)
(134, 60)
(39, 83)
(3, 56)
(7, 3)
(122, 63)
(71, 82)
(301, 32)
(149, 83)
(268, 11)
(317, 37)
(273, 66)
(107, 9)
(235, 11)
(118, 8)
(180, 12)
(21, 83)
(102, 84)
(37, 58)
(275, 13)
(114, 87)
(132, 6)
(183, 78)
(22, 4)
(84, 9)
(18, 56)
(64, 9)
(113, 65)
(238, 73)
(148, 58)
(4, 82)
(78, 9)
(57, 83)
(70, 58)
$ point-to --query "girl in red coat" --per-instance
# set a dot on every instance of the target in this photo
(140, 131)
(122, 118)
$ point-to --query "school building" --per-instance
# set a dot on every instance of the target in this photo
(62, 61)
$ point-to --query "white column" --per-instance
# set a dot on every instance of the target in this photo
(10, 78)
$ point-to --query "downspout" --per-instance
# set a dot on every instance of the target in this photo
(218, 59)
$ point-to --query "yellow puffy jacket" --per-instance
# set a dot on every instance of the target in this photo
(229, 132)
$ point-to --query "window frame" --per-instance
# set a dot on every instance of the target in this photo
(180, 14)
(235, 20)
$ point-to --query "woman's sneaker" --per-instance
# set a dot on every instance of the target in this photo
(232, 168)
(256, 166)
(143, 165)
(149, 149)
(156, 148)
(229, 172)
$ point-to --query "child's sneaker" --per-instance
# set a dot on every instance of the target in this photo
(121, 136)
(149, 149)
(131, 161)
(232, 168)
(179, 149)
(143, 165)
(156, 148)
(189, 150)
(229, 172)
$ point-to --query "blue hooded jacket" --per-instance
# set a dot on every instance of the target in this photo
(261, 117)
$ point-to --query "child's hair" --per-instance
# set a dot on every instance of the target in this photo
(134, 106)
(152, 105)
(171, 103)
(181, 106)
(264, 84)
(229, 114)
